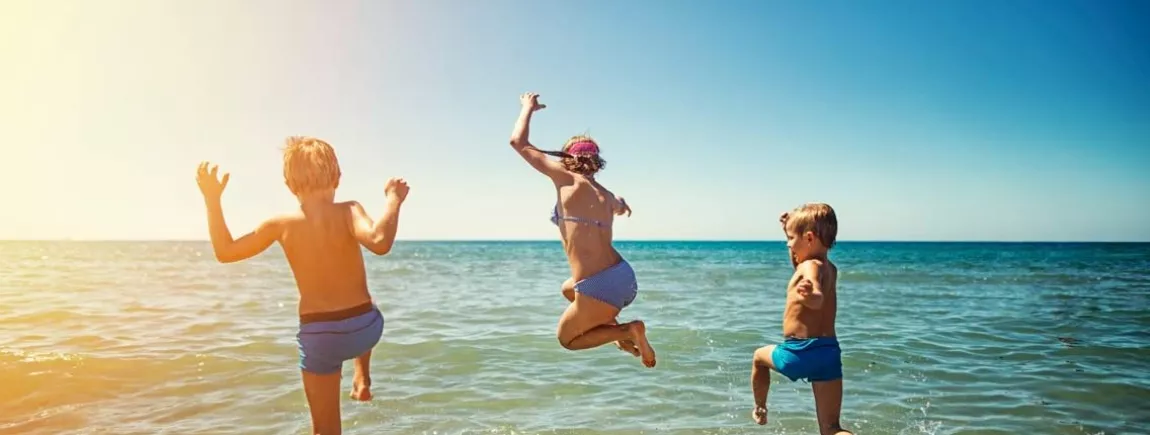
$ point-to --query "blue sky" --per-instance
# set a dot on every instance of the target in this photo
(974, 120)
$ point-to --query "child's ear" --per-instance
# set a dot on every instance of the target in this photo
(809, 236)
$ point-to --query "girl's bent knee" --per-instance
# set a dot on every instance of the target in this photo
(565, 341)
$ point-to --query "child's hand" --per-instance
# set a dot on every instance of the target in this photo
(624, 207)
(210, 186)
(783, 218)
(806, 291)
(396, 189)
(805, 287)
(531, 100)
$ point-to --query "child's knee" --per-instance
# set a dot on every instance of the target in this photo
(763, 358)
(564, 340)
(568, 289)
(566, 333)
(563, 335)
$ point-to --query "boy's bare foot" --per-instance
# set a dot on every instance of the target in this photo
(760, 415)
(361, 389)
(628, 346)
(639, 336)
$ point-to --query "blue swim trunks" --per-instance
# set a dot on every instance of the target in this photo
(813, 359)
(325, 344)
(615, 285)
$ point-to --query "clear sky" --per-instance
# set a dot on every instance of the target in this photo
(916, 120)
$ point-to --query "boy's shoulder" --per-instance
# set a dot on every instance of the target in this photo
(353, 206)
(349, 204)
(821, 262)
(814, 263)
(817, 267)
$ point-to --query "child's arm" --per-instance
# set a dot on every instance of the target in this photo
(378, 237)
(621, 207)
(809, 288)
(229, 250)
(536, 158)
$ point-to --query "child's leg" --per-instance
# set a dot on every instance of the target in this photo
(624, 345)
(569, 289)
(322, 392)
(589, 323)
(361, 383)
(828, 406)
(761, 367)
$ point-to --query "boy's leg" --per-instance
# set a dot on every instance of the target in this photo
(828, 406)
(322, 392)
(361, 383)
(624, 345)
(761, 367)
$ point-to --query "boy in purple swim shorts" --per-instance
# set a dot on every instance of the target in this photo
(322, 240)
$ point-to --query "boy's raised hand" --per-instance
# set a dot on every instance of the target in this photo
(396, 189)
(210, 186)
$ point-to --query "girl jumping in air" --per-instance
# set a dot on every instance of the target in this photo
(602, 283)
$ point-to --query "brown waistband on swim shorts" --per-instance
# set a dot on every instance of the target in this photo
(335, 316)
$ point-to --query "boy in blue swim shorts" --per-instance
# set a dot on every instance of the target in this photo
(809, 350)
(322, 239)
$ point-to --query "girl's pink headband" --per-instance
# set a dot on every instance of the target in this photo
(583, 148)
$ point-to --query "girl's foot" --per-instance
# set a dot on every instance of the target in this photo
(628, 346)
(639, 335)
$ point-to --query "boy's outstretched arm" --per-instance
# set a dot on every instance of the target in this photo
(378, 237)
(249, 245)
(810, 289)
(229, 250)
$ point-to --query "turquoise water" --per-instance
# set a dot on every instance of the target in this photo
(156, 337)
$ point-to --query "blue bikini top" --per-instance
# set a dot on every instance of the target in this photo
(556, 217)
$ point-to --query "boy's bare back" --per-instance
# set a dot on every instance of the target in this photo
(325, 256)
(801, 321)
(322, 241)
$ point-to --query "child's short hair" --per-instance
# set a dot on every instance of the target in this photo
(310, 165)
(585, 164)
(817, 218)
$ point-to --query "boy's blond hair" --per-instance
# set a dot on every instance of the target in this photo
(310, 165)
(817, 218)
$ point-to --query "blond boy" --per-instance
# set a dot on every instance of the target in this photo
(322, 239)
(810, 349)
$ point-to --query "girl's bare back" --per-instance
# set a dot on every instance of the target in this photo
(589, 247)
